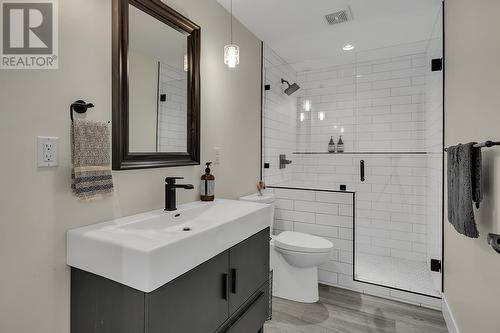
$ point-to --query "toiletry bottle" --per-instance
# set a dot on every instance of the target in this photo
(207, 186)
(340, 145)
(260, 187)
(331, 145)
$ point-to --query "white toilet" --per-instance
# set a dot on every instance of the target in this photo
(295, 258)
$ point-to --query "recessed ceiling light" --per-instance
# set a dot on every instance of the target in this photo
(348, 47)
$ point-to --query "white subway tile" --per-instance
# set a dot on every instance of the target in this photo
(336, 267)
(392, 83)
(284, 204)
(345, 233)
(334, 220)
(317, 207)
(294, 194)
(316, 229)
(283, 225)
(295, 216)
(392, 66)
(334, 197)
(345, 210)
(327, 277)
(392, 100)
(346, 257)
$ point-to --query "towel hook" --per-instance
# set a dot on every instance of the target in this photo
(79, 107)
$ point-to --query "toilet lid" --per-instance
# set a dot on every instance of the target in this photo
(300, 242)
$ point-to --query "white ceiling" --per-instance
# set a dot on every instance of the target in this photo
(297, 30)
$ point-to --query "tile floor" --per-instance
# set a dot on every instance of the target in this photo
(395, 272)
(345, 311)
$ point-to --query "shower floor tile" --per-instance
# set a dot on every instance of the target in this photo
(396, 273)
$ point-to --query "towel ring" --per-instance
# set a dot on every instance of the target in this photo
(79, 107)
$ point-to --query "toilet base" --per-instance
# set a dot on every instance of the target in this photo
(294, 283)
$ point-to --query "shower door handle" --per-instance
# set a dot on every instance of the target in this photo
(362, 170)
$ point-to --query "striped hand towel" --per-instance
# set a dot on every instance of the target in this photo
(90, 155)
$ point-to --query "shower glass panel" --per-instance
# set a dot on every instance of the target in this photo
(386, 106)
(279, 118)
(400, 140)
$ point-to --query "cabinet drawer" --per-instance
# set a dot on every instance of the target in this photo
(253, 316)
(248, 268)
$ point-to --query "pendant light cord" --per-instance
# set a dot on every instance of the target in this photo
(231, 22)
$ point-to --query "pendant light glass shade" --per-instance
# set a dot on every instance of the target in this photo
(231, 51)
(231, 55)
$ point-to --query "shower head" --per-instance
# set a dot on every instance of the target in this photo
(291, 87)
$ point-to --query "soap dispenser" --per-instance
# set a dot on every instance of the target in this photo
(340, 145)
(207, 186)
(331, 145)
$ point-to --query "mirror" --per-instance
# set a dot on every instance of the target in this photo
(157, 85)
(156, 102)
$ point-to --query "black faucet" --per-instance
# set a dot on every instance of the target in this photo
(170, 186)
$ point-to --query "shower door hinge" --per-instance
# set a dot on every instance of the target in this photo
(435, 265)
(437, 65)
(267, 87)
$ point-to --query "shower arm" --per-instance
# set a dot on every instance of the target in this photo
(285, 81)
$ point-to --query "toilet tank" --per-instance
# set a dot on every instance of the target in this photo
(265, 198)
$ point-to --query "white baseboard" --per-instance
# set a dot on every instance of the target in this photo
(448, 317)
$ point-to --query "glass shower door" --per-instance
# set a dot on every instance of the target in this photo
(391, 226)
(399, 155)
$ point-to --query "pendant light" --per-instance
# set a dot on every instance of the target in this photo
(231, 51)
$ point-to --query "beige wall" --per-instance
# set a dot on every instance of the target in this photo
(472, 102)
(36, 206)
(143, 102)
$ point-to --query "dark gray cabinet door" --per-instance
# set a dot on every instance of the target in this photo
(102, 305)
(196, 302)
(248, 267)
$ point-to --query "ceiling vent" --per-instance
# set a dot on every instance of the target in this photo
(339, 17)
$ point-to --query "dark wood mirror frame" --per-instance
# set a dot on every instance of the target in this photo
(122, 158)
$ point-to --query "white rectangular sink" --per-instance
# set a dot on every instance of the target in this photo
(147, 250)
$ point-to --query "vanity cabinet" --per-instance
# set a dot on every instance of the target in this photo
(247, 273)
(194, 302)
(228, 293)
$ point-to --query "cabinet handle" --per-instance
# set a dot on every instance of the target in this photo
(233, 280)
(224, 286)
(362, 170)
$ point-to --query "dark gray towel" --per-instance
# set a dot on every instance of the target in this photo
(464, 187)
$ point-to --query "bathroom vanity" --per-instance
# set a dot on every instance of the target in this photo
(203, 268)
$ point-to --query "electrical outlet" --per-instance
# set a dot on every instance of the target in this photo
(47, 151)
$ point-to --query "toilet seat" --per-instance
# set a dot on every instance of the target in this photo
(300, 242)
